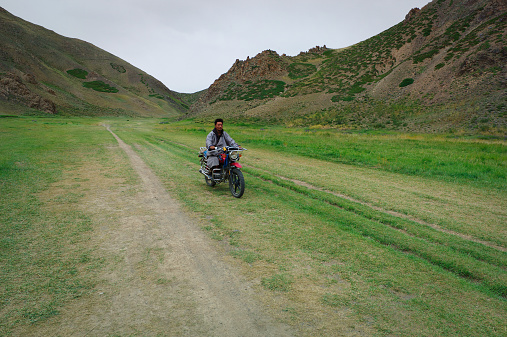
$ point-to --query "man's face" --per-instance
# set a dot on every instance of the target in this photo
(219, 126)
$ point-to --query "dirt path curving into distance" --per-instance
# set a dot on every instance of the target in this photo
(224, 300)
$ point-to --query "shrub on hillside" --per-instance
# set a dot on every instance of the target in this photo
(338, 98)
(100, 86)
(440, 65)
(156, 96)
(356, 89)
(118, 68)
(405, 82)
(79, 73)
(421, 57)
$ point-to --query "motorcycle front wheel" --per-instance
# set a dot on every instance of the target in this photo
(236, 183)
(209, 182)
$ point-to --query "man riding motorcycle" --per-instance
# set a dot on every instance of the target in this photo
(217, 138)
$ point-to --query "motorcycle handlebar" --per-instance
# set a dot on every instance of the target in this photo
(228, 148)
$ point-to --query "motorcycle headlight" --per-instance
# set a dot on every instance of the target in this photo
(234, 155)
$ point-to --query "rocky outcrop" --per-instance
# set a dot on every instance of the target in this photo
(265, 65)
(412, 14)
(315, 50)
(13, 88)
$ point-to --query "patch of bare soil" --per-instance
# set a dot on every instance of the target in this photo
(163, 277)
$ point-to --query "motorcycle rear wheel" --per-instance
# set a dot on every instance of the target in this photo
(236, 183)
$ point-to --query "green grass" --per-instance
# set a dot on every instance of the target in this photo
(279, 282)
(448, 159)
(311, 249)
(45, 262)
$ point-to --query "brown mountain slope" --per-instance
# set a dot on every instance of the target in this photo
(43, 71)
(443, 68)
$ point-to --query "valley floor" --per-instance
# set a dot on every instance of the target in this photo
(108, 229)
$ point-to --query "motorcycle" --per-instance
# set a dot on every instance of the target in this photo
(229, 168)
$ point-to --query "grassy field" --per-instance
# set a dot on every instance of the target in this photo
(45, 253)
(350, 233)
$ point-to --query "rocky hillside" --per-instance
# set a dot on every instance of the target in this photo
(443, 68)
(43, 72)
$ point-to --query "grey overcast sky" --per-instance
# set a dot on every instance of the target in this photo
(187, 44)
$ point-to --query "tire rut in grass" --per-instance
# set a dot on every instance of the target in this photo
(466, 259)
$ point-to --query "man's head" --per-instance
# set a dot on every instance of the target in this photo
(219, 124)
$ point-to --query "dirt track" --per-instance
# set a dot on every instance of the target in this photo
(167, 279)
